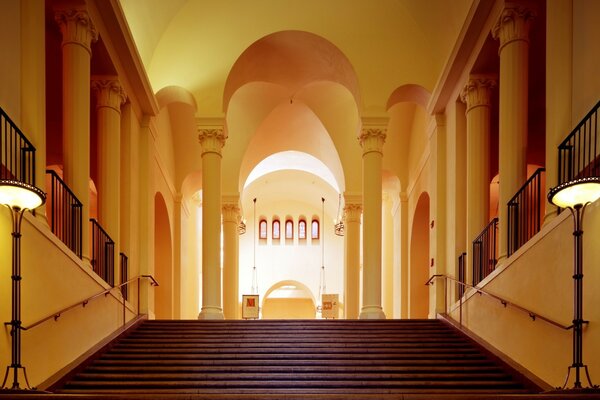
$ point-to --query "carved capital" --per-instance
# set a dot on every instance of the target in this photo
(478, 91)
(76, 27)
(109, 93)
(513, 24)
(352, 212)
(211, 140)
(231, 213)
(372, 140)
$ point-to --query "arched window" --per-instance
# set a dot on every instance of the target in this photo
(262, 229)
(302, 229)
(276, 230)
(314, 229)
(289, 229)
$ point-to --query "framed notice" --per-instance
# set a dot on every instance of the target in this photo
(250, 306)
(330, 305)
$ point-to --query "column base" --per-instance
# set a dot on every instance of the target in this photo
(371, 312)
(211, 313)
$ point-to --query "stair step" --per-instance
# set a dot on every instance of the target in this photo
(285, 358)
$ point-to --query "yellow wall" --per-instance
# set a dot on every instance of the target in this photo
(53, 278)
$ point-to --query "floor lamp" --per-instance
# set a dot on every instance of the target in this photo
(575, 195)
(18, 196)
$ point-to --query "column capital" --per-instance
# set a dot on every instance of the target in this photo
(231, 212)
(76, 27)
(109, 92)
(352, 212)
(513, 24)
(212, 140)
(372, 140)
(478, 91)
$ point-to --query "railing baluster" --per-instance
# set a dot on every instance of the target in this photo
(524, 211)
(17, 154)
(484, 252)
(582, 159)
(102, 253)
(65, 213)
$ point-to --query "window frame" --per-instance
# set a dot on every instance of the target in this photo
(260, 225)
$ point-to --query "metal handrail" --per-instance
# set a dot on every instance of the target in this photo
(533, 315)
(105, 292)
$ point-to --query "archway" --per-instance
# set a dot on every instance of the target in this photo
(288, 300)
(163, 260)
(419, 260)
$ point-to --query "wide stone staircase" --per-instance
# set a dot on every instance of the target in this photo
(293, 359)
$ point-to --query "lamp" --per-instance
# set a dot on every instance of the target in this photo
(575, 195)
(18, 196)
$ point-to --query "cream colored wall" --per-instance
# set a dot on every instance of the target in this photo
(586, 36)
(53, 278)
(539, 277)
(292, 193)
(279, 308)
(191, 246)
(10, 64)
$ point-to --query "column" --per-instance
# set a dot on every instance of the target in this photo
(78, 32)
(477, 96)
(404, 266)
(33, 87)
(212, 141)
(559, 87)
(438, 178)
(371, 141)
(109, 98)
(352, 212)
(231, 246)
(512, 29)
(387, 254)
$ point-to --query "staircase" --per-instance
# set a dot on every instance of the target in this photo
(294, 359)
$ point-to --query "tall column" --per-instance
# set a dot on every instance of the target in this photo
(231, 248)
(559, 87)
(477, 95)
(404, 266)
(78, 32)
(212, 141)
(352, 212)
(512, 29)
(387, 254)
(372, 141)
(438, 179)
(109, 98)
(33, 87)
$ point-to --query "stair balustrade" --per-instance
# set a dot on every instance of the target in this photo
(525, 211)
(579, 153)
(485, 252)
(124, 275)
(103, 253)
(17, 154)
(63, 210)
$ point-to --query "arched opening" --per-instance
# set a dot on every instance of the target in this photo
(288, 300)
(419, 260)
(163, 260)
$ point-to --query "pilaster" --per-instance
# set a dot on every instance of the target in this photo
(231, 219)
(352, 214)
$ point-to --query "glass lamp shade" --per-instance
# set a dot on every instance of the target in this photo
(576, 192)
(20, 195)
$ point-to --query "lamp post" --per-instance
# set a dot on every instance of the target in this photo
(575, 195)
(18, 196)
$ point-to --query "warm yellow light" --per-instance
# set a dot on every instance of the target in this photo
(20, 195)
(579, 191)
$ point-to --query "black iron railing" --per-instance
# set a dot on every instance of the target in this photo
(124, 275)
(63, 210)
(525, 211)
(579, 153)
(17, 154)
(103, 253)
(462, 275)
(484, 252)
